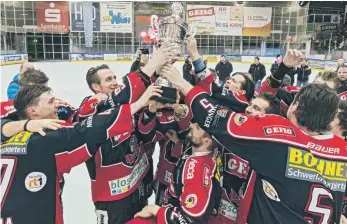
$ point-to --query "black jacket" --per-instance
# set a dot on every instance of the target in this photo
(303, 73)
(187, 68)
(274, 67)
(258, 71)
(292, 73)
(224, 70)
(136, 65)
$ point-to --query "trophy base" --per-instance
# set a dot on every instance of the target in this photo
(169, 95)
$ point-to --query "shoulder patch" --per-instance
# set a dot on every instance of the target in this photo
(17, 144)
(239, 96)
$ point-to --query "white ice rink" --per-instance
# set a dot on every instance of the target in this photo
(68, 82)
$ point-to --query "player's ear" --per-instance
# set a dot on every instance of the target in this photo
(96, 88)
(31, 112)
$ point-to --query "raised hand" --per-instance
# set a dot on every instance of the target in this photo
(293, 58)
(170, 73)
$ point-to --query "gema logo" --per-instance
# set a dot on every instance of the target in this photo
(52, 15)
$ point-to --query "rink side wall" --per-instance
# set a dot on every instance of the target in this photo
(10, 59)
(316, 64)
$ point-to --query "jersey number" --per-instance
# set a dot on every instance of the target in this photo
(8, 168)
(315, 207)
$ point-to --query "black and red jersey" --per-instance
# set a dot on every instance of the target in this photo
(32, 165)
(300, 178)
(195, 190)
(121, 163)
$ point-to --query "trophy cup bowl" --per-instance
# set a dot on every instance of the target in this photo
(172, 29)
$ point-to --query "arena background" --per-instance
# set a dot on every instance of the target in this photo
(55, 39)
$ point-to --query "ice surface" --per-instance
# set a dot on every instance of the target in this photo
(68, 82)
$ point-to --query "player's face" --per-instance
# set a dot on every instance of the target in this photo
(45, 108)
(196, 135)
(107, 81)
(257, 106)
(256, 61)
(223, 59)
(342, 73)
(235, 83)
(330, 84)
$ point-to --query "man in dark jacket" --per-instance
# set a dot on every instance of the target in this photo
(275, 65)
(224, 68)
(304, 71)
(188, 72)
(258, 72)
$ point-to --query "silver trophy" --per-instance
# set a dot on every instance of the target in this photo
(172, 29)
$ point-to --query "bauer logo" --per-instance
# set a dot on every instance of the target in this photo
(125, 184)
(35, 181)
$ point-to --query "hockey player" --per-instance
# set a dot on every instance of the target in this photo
(285, 153)
(118, 169)
(169, 127)
(32, 166)
(9, 117)
(195, 190)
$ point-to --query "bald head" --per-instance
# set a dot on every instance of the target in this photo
(24, 67)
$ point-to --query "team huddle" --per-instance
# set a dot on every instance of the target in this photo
(230, 152)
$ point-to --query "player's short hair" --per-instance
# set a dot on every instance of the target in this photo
(256, 57)
(342, 115)
(330, 76)
(32, 76)
(274, 103)
(28, 96)
(317, 107)
(247, 86)
(92, 75)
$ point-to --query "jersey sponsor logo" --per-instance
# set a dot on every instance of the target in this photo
(17, 144)
(101, 216)
(227, 209)
(35, 181)
(236, 165)
(270, 191)
(190, 169)
(219, 169)
(191, 201)
(325, 149)
(206, 176)
(124, 184)
(240, 119)
(279, 130)
(222, 112)
(167, 177)
(303, 165)
(89, 122)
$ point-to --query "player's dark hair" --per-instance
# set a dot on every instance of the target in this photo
(317, 106)
(342, 115)
(28, 96)
(256, 57)
(247, 86)
(330, 76)
(92, 75)
(32, 76)
(274, 103)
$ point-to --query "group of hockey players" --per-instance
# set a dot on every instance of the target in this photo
(229, 153)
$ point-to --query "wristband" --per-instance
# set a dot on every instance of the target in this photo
(25, 125)
(199, 64)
